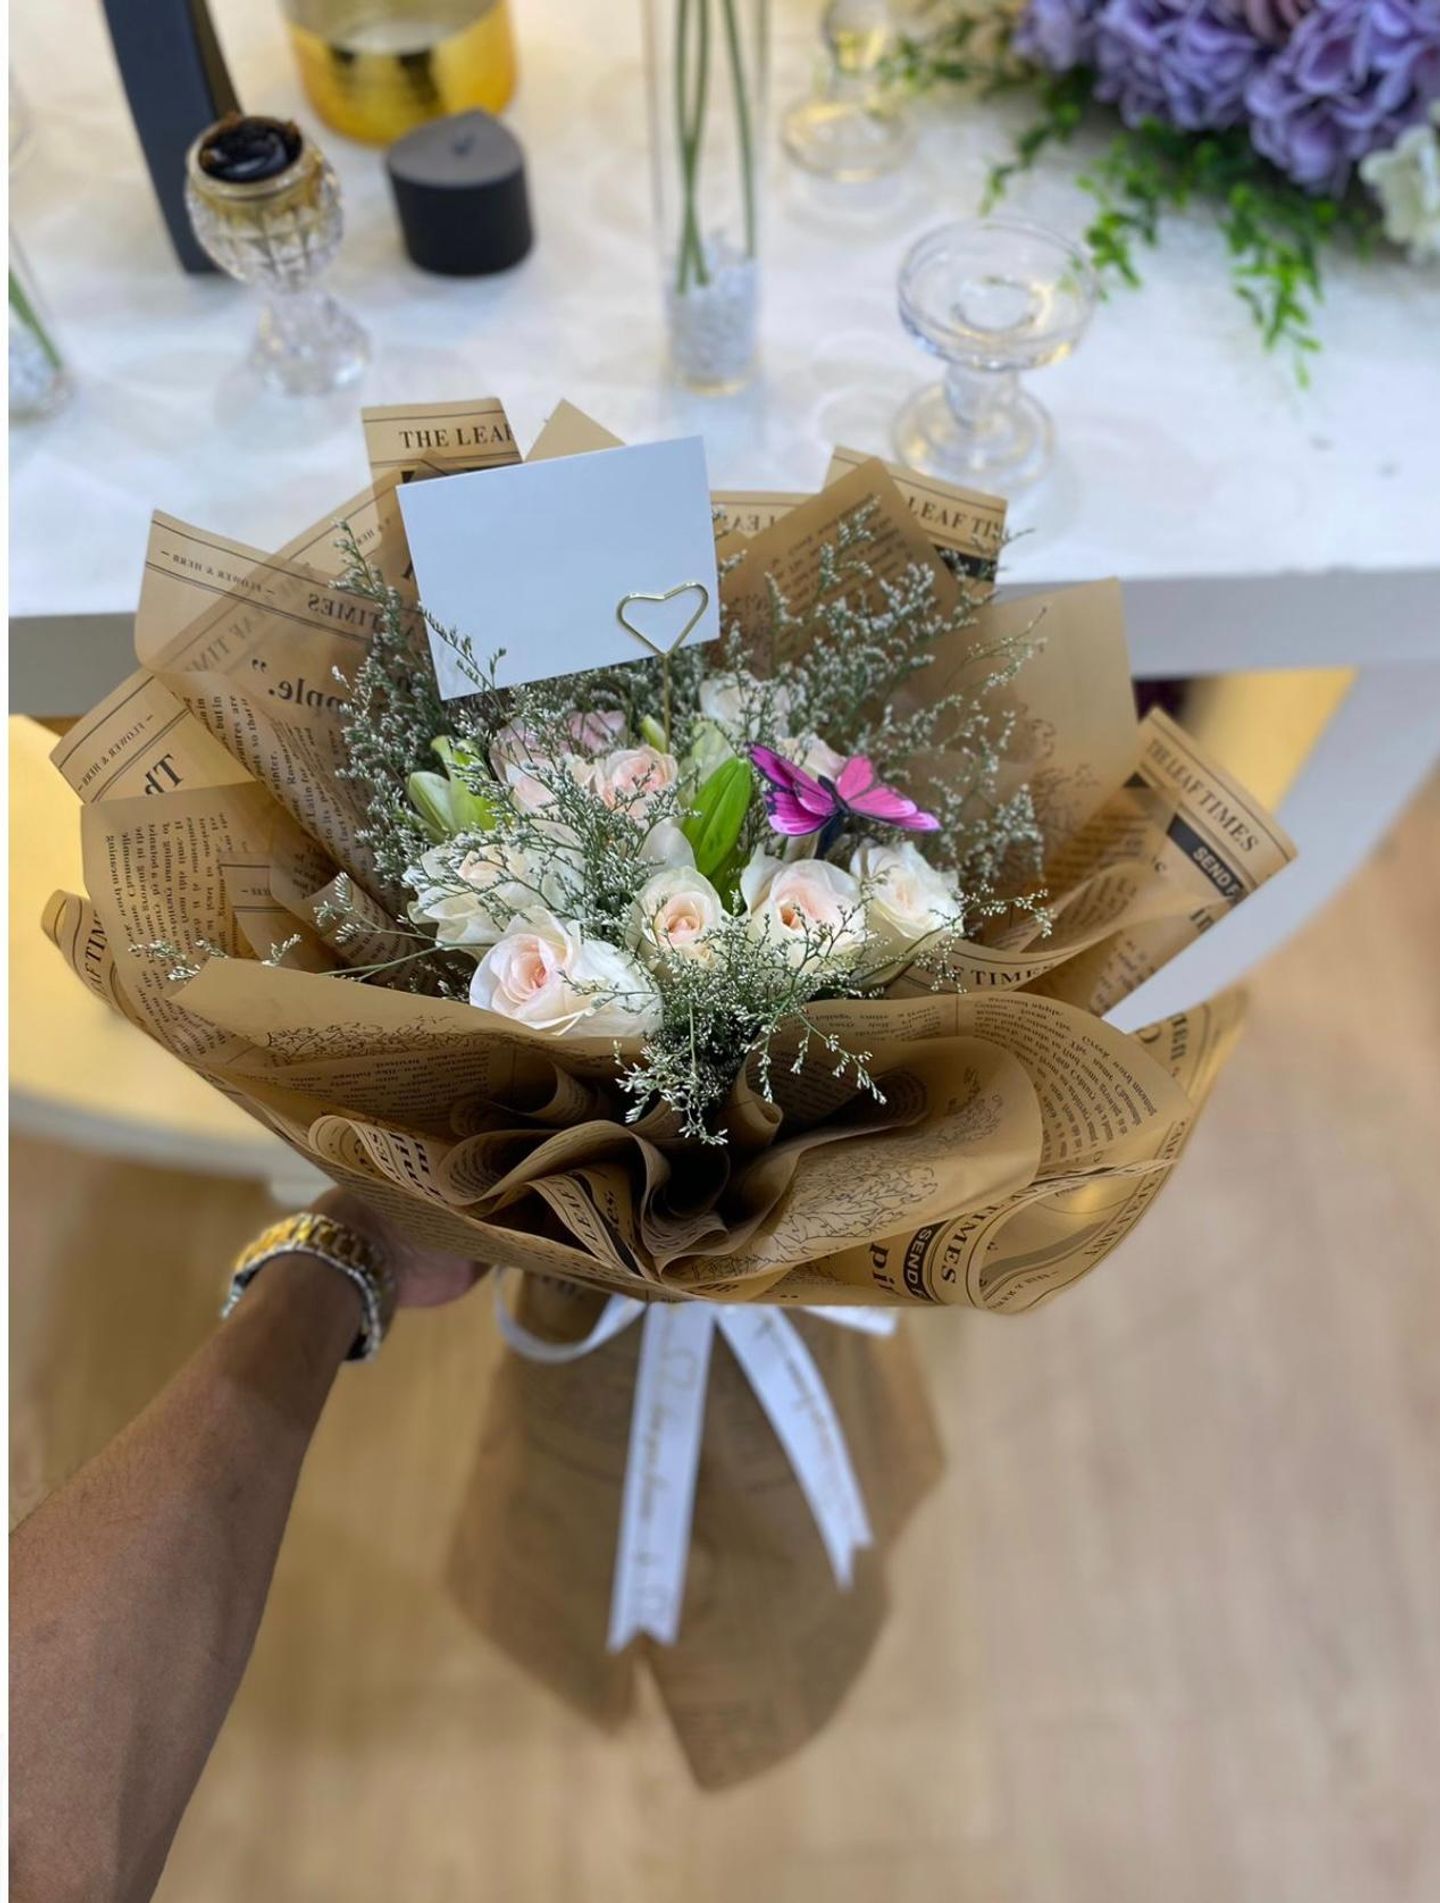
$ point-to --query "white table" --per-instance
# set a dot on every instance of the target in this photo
(1255, 526)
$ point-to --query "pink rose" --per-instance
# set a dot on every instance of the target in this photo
(528, 793)
(630, 777)
(675, 912)
(517, 745)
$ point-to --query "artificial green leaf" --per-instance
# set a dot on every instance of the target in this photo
(470, 811)
(430, 795)
(713, 826)
(473, 812)
(709, 749)
(457, 756)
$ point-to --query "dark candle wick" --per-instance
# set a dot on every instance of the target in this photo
(246, 151)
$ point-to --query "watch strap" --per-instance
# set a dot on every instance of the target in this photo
(343, 1249)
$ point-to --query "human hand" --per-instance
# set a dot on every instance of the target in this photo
(424, 1278)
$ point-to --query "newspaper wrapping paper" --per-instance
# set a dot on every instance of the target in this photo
(663, 1459)
(1021, 1136)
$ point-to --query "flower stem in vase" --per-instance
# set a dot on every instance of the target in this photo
(38, 380)
(707, 189)
(690, 124)
(742, 121)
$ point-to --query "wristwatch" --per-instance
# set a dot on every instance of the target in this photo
(353, 1255)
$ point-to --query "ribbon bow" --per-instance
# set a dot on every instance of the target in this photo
(666, 1422)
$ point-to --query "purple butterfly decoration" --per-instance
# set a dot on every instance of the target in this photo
(799, 802)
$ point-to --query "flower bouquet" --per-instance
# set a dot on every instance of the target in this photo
(714, 986)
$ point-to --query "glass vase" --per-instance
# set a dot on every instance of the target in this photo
(708, 70)
(38, 379)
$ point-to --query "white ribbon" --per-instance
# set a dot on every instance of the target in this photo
(666, 1423)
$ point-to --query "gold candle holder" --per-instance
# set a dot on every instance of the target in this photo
(376, 69)
(266, 207)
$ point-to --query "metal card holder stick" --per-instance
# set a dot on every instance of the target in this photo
(663, 654)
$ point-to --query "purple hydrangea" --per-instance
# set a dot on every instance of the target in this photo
(1186, 63)
(1271, 20)
(1057, 34)
(1350, 79)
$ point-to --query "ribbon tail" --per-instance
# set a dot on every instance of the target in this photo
(617, 1314)
(788, 1385)
(658, 1502)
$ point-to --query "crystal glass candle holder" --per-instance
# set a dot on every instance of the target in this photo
(993, 297)
(852, 126)
(266, 207)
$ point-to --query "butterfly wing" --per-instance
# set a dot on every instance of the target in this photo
(855, 778)
(863, 794)
(796, 802)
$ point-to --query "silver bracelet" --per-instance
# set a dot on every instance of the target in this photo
(339, 1247)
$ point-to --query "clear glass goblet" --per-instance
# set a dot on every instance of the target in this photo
(992, 297)
(266, 207)
(851, 126)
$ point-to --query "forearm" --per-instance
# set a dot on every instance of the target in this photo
(136, 1592)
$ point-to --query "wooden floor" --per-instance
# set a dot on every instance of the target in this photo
(1170, 1632)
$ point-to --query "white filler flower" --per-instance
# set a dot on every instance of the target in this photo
(727, 698)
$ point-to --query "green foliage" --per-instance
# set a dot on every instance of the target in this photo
(430, 796)
(1274, 232)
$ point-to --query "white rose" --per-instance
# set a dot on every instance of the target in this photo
(632, 777)
(675, 912)
(907, 899)
(432, 879)
(666, 845)
(813, 755)
(790, 905)
(728, 698)
(545, 973)
(459, 918)
(466, 896)
(1406, 180)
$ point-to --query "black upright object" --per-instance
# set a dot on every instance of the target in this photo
(177, 84)
(459, 186)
